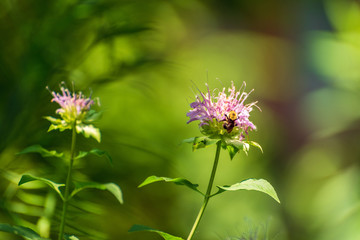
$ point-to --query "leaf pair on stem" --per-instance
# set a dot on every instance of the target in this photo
(260, 185)
(79, 186)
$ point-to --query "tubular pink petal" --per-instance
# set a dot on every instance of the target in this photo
(73, 107)
(206, 108)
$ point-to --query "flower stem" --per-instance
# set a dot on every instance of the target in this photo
(208, 192)
(68, 183)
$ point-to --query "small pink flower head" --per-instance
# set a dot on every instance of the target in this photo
(225, 115)
(73, 106)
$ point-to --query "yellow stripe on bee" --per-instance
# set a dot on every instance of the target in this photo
(232, 115)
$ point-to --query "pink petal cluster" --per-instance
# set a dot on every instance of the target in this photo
(208, 107)
(73, 106)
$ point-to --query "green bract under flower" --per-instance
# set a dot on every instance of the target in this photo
(215, 129)
(75, 111)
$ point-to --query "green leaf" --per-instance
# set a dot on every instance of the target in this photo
(189, 140)
(164, 235)
(92, 116)
(96, 152)
(260, 185)
(57, 124)
(234, 146)
(111, 187)
(43, 152)
(89, 131)
(28, 178)
(25, 232)
(255, 144)
(70, 237)
(178, 181)
(53, 120)
(81, 154)
(61, 128)
(232, 151)
(200, 142)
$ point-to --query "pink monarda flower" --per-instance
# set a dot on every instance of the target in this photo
(224, 115)
(73, 106)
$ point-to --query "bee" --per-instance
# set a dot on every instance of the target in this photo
(230, 121)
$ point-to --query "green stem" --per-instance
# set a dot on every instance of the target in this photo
(68, 183)
(208, 192)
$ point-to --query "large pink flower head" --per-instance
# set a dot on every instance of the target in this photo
(75, 111)
(224, 115)
(73, 106)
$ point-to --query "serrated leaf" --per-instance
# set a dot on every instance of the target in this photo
(111, 187)
(164, 235)
(96, 152)
(56, 186)
(178, 181)
(200, 142)
(260, 185)
(25, 232)
(42, 151)
(88, 130)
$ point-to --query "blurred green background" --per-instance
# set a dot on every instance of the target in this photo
(142, 59)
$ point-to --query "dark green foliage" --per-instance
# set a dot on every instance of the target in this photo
(26, 233)
(42, 151)
(178, 181)
(28, 178)
(96, 152)
(42, 44)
